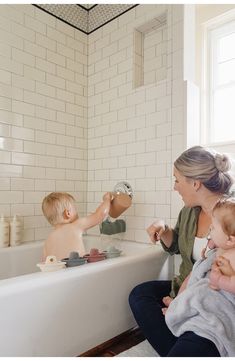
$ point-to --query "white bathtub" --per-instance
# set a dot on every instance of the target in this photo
(68, 312)
(20, 260)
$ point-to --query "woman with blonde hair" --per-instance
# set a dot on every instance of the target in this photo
(201, 178)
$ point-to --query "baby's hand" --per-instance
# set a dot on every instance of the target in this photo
(225, 266)
(167, 301)
(214, 277)
(164, 310)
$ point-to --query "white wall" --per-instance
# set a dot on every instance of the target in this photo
(43, 113)
(134, 134)
(51, 74)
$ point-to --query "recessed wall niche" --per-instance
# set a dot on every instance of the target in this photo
(150, 51)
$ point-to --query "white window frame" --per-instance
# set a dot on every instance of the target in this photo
(207, 71)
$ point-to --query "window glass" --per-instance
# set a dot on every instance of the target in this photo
(223, 125)
(219, 125)
(226, 72)
(226, 51)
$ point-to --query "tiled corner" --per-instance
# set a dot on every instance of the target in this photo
(74, 118)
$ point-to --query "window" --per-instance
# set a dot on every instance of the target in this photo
(219, 79)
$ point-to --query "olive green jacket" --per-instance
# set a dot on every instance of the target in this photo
(183, 240)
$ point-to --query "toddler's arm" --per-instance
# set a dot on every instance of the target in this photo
(99, 215)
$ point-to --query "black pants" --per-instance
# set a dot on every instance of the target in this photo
(146, 304)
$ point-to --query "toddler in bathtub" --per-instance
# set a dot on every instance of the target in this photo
(209, 311)
(60, 210)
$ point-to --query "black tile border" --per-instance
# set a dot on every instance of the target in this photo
(115, 17)
(83, 31)
(57, 17)
(83, 7)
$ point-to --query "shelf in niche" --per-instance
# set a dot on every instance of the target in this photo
(150, 52)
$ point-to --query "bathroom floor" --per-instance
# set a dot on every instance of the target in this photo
(117, 344)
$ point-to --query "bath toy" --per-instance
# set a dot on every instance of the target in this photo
(112, 252)
(51, 264)
(108, 227)
(94, 252)
(94, 255)
(119, 204)
(74, 260)
(73, 255)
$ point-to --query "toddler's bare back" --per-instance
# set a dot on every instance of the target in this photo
(63, 240)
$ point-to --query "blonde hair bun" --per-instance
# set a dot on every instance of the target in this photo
(222, 162)
(208, 166)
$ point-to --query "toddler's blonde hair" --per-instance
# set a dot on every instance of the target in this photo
(54, 204)
(224, 211)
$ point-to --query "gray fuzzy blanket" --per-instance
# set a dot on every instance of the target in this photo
(206, 312)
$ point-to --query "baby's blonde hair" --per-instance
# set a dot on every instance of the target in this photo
(54, 204)
(224, 211)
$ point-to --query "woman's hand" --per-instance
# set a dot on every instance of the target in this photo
(156, 230)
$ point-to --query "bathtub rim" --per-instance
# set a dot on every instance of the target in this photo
(149, 250)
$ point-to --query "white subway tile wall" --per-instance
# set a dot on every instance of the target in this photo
(71, 119)
(43, 114)
(131, 132)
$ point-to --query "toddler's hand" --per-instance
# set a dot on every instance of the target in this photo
(108, 197)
